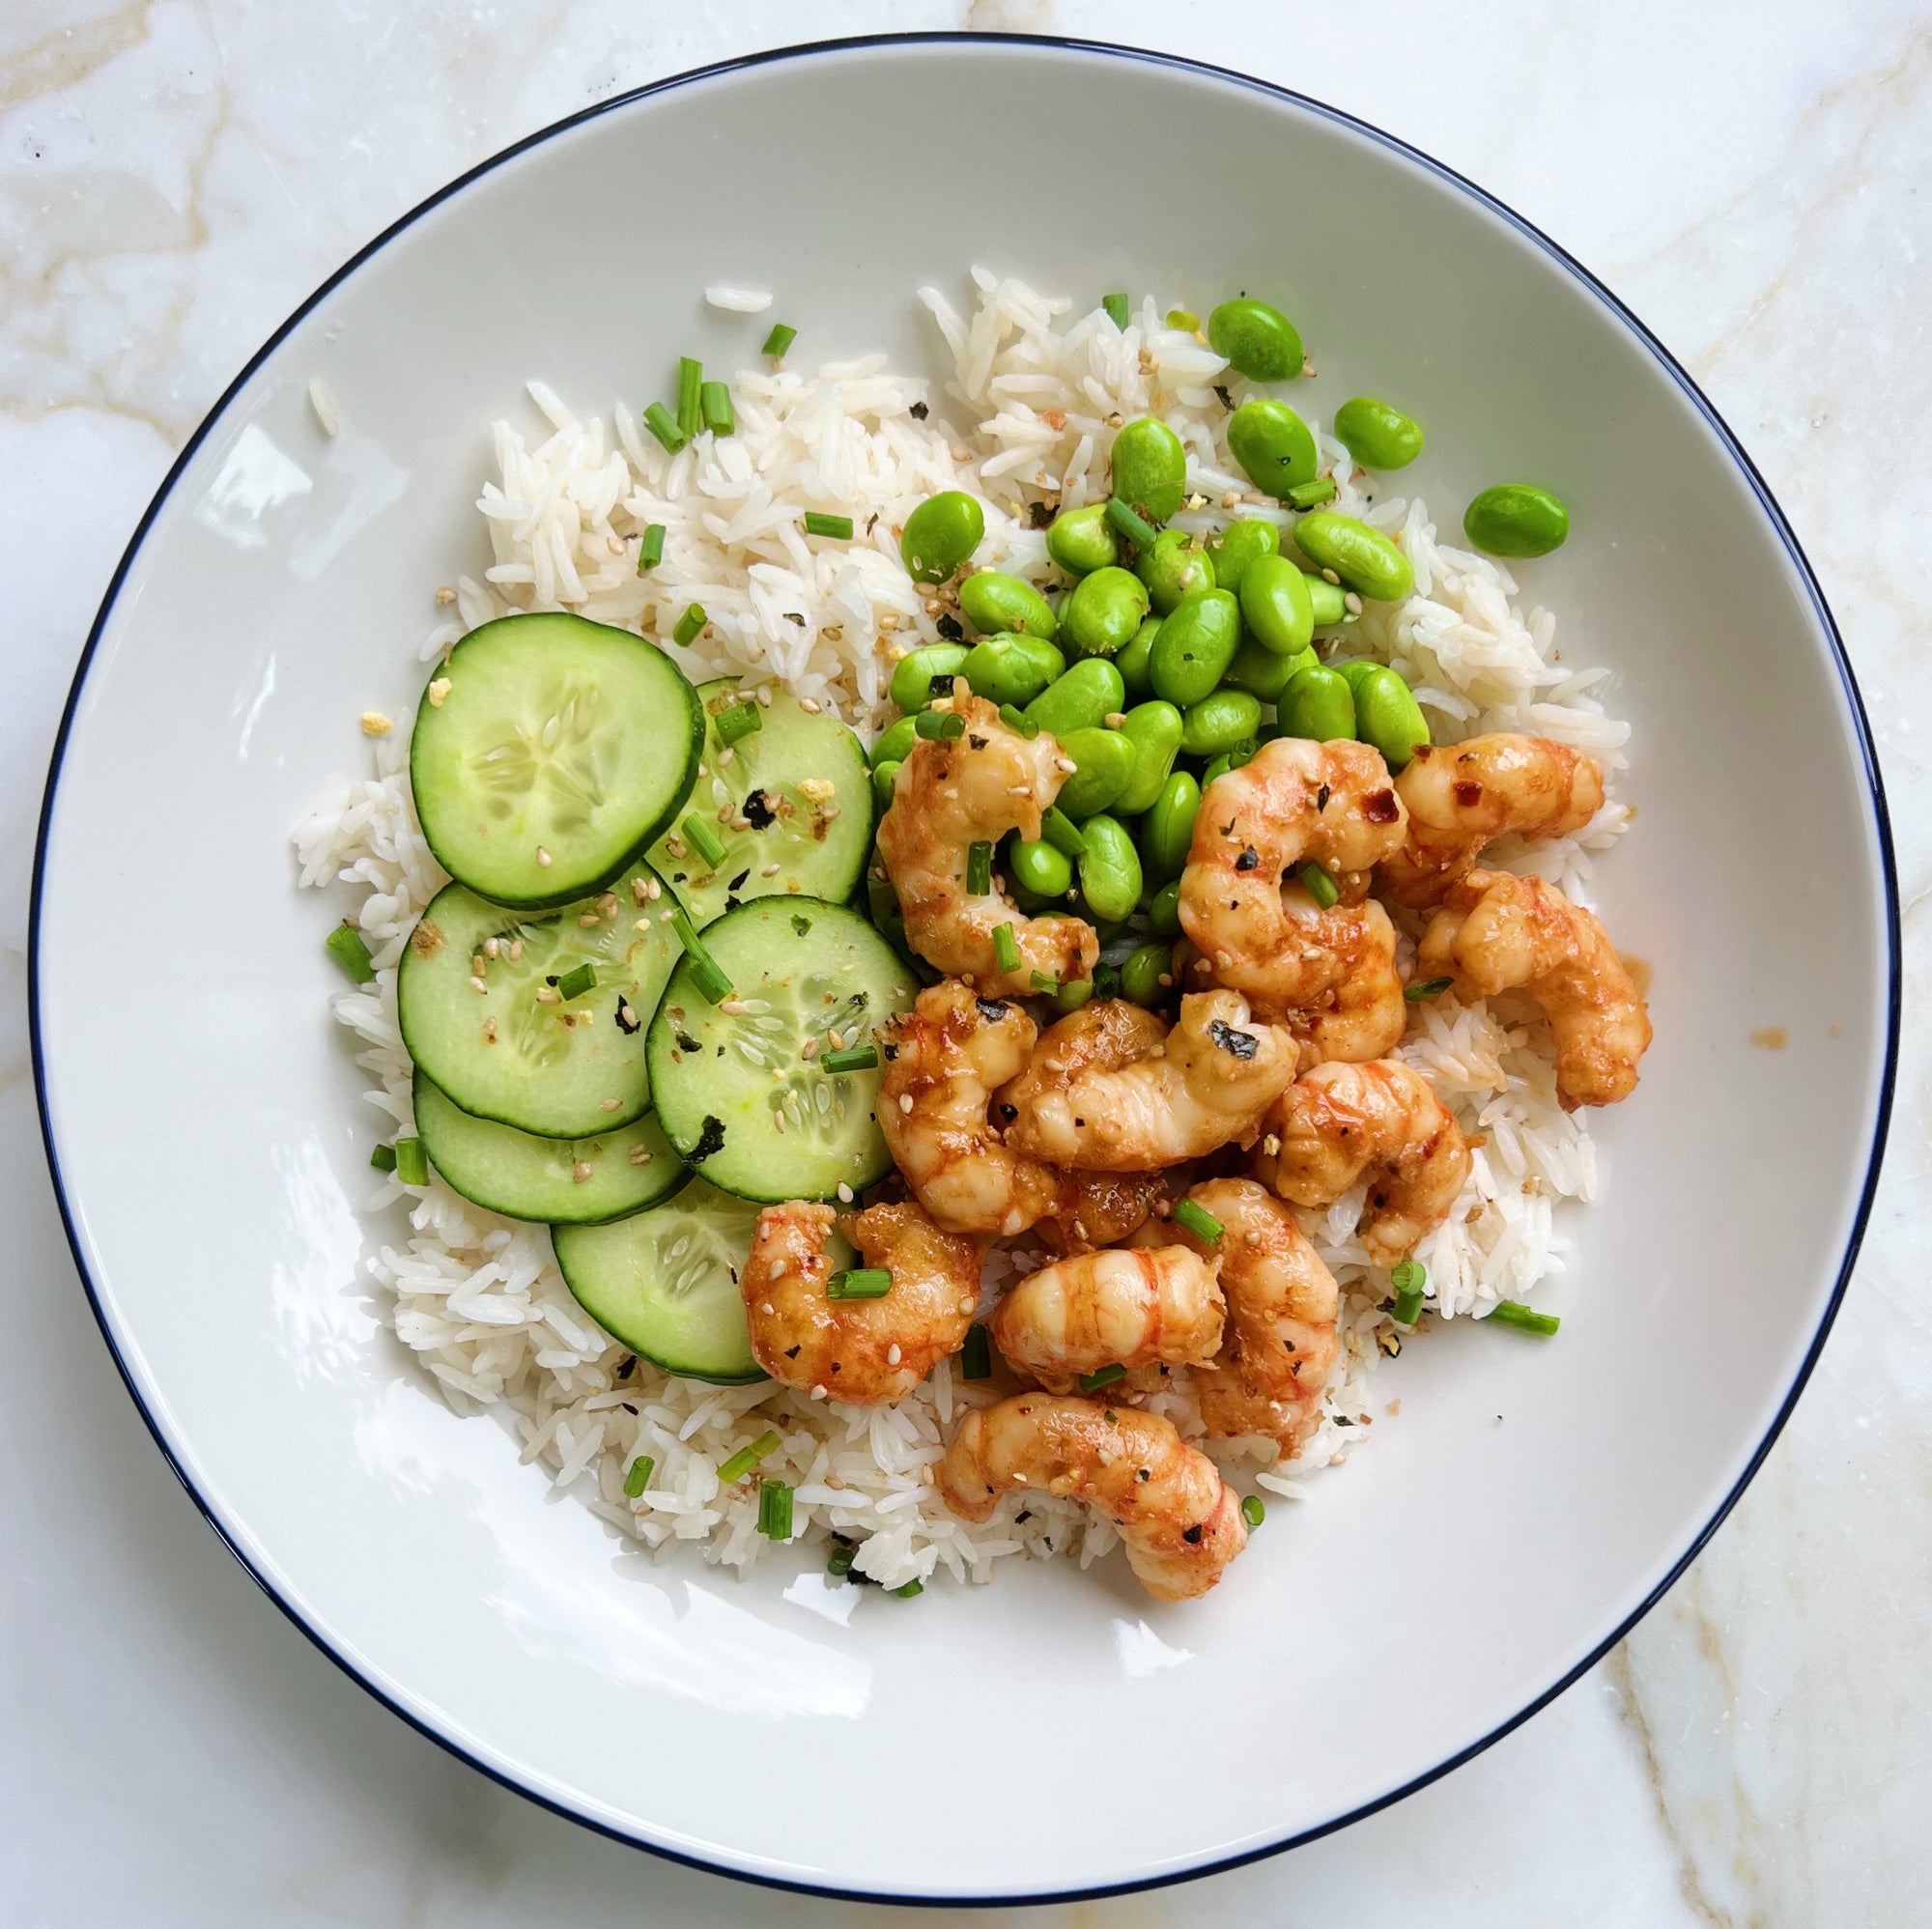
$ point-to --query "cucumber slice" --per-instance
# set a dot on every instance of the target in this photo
(556, 751)
(735, 1091)
(565, 1181)
(818, 840)
(665, 1282)
(543, 1063)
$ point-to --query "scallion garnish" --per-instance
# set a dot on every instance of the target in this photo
(775, 1511)
(412, 1163)
(840, 1563)
(576, 981)
(689, 396)
(1093, 1382)
(1006, 948)
(1045, 983)
(906, 1593)
(1308, 495)
(1017, 719)
(778, 340)
(714, 401)
(859, 1282)
(747, 1457)
(1254, 1509)
(1106, 980)
(838, 526)
(1194, 1217)
(703, 840)
(689, 625)
(384, 1158)
(1133, 525)
(345, 944)
(978, 870)
(651, 548)
(975, 1356)
(640, 1476)
(939, 726)
(1318, 885)
(1063, 833)
(860, 1058)
(705, 973)
(739, 721)
(1116, 306)
(1409, 1279)
(663, 424)
(1426, 987)
(1514, 1313)
(1184, 318)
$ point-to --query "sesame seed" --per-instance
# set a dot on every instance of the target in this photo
(1352, 604)
(493, 948)
(478, 983)
(581, 1171)
(438, 691)
(905, 1101)
(733, 1007)
(892, 1355)
(543, 859)
(1271, 1144)
(446, 594)
(1251, 1238)
(1329, 576)
(547, 994)
(376, 724)
(818, 1393)
(612, 1104)
(844, 1193)
(770, 870)
(767, 1308)
(641, 1155)
(489, 1031)
(810, 706)
(516, 950)
(1114, 719)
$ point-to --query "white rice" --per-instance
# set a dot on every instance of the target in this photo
(1038, 393)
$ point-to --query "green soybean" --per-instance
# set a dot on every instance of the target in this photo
(1273, 445)
(1318, 704)
(884, 776)
(1356, 671)
(1155, 731)
(1168, 829)
(1177, 566)
(1147, 975)
(1195, 646)
(1164, 913)
(1081, 540)
(1072, 995)
(1012, 668)
(1515, 519)
(1104, 763)
(1260, 341)
(1103, 611)
(1110, 871)
(1150, 467)
(1388, 718)
(992, 601)
(941, 534)
(916, 672)
(1364, 559)
(1276, 607)
(1329, 601)
(1087, 695)
(1238, 545)
(1035, 866)
(1219, 721)
(1376, 435)
(895, 744)
(1263, 672)
(1132, 660)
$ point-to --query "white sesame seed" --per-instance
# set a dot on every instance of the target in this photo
(844, 1193)
(493, 948)
(768, 1309)
(478, 983)
(892, 1355)
(612, 1104)
(547, 994)
(581, 1171)
(543, 859)
(905, 1101)
(1329, 576)
(818, 1393)
(810, 706)
(641, 1155)
(516, 950)
(763, 693)
(769, 870)
(1352, 604)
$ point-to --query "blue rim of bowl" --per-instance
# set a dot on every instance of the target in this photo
(1880, 823)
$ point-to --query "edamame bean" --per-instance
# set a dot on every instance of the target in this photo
(884, 776)
(1150, 467)
(1318, 704)
(1104, 610)
(1155, 731)
(1132, 661)
(941, 534)
(1147, 975)
(1012, 668)
(1355, 670)
(1276, 607)
(1262, 671)
(1327, 600)
(1376, 435)
(1515, 519)
(1089, 693)
(1260, 341)
(1364, 559)
(1273, 445)
(1242, 752)
(1177, 566)
(1110, 869)
(894, 743)
(1388, 718)
(1081, 540)
(992, 601)
(1195, 646)
(1072, 995)
(1164, 913)
(1239, 543)
(1103, 767)
(915, 674)
(1219, 721)
(1035, 866)
(1168, 829)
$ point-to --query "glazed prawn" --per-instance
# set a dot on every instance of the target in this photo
(1145, 1306)
(1497, 932)
(1204, 1085)
(1340, 1120)
(950, 796)
(1279, 1345)
(1181, 1522)
(1463, 796)
(860, 1351)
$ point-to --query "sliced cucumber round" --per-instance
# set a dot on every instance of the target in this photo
(564, 1181)
(799, 782)
(735, 1090)
(547, 753)
(665, 1282)
(539, 1047)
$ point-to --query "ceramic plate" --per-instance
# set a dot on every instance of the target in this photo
(1056, 1732)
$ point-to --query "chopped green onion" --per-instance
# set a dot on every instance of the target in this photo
(906, 1593)
(1307, 495)
(1514, 1313)
(1137, 529)
(1426, 987)
(1182, 318)
(640, 1476)
(1045, 983)
(1006, 948)
(860, 1058)
(1116, 306)
(576, 981)
(1017, 719)
(1091, 1382)
(384, 1158)
(978, 870)
(839, 526)
(939, 726)
(739, 721)
(705, 973)
(840, 1563)
(1106, 980)
(975, 1357)
(1063, 833)
(651, 548)
(660, 421)
(778, 340)
(1318, 884)
(1192, 1216)
(345, 947)
(1254, 1509)
(689, 625)
(715, 403)
(1409, 1279)
(747, 1457)
(859, 1282)
(775, 1511)
(704, 840)
(689, 396)
(412, 1163)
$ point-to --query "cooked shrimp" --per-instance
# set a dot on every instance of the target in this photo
(1463, 796)
(1294, 802)
(1181, 1522)
(1365, 1014)
(1339, 1121)
(1279, 1346)
(1496, 932)
(860, 1351)
(1150, 1306)
(950, 796)
(1204, 1085)
(1098, 1208)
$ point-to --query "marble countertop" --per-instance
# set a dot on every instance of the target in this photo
(175, 175)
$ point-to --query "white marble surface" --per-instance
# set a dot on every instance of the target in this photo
(175, 176)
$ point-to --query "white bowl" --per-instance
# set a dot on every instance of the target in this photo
(1056, 1732)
